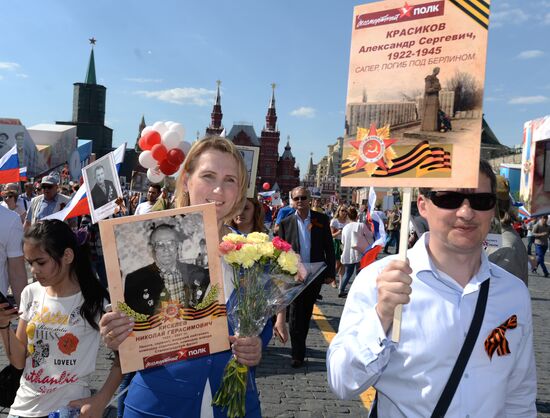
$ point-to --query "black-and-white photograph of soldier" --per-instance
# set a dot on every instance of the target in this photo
(167, 278)
(103, 187)
(104, 190)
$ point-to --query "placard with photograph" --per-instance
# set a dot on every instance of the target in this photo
(139, 183)
(164, 272)
(103, 186)
(250, 156)
(415, 93)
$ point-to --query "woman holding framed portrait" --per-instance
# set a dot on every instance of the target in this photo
(213, 172)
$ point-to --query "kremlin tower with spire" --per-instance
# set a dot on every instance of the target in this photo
(89, 111)
(279, 171)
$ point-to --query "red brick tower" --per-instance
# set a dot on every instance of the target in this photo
(216, 127)
(269, 142)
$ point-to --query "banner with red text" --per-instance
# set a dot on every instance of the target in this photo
(415, 93)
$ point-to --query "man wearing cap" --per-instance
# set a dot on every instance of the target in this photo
(50, 201)
(446, 279)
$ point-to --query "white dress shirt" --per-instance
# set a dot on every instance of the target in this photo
(304, 235)
(410, 375)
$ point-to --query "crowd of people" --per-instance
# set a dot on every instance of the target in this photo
(447, 266)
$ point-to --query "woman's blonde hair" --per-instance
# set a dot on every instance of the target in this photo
(190, 164)
(337, 213)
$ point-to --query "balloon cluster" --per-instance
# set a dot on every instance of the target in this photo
(163, 149)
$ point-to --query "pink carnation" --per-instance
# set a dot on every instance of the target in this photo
(281, 244)
(226, 247)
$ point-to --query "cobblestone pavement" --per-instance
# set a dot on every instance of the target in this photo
(287, 392)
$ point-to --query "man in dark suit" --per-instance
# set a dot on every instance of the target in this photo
(165, 279)
(103, 191)
(309, 234)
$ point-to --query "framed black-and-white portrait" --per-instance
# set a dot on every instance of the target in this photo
(164, 272)
(250, 156)
(103, 186)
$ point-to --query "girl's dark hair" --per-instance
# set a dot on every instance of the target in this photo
(54, 237)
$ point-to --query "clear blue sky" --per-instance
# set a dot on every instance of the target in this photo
(162, 59)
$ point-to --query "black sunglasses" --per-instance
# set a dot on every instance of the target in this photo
(453, 200)
(46, 186)
(296, 198)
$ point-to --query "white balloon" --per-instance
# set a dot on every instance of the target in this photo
(184, 146)
(160, 127)
(170, 140)
(146, 160)
(146, 130)
(154, 175)
(169, 123)
(178, 127)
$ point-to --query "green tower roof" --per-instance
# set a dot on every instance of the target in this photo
(90, 75)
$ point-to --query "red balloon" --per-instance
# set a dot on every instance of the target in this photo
(266, 186)
(175, 156)
(152, 138)
(143, 145)
(159, 152)
(167, 168)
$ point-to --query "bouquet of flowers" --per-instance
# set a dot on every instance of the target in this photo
(267, 276)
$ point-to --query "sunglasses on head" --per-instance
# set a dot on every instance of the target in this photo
(453, 200)
(296, 198)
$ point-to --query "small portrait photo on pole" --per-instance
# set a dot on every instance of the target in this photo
(103, 185)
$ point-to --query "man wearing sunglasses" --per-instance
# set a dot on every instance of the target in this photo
(309, 234)
(439, 288)
(50, 201)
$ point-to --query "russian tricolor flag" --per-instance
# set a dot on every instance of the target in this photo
(9, 167)
(78, 205)
(23, 174)
(379, 232)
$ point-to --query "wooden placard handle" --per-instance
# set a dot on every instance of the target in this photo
(403, 244)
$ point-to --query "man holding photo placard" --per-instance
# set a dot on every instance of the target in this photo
(454, 301)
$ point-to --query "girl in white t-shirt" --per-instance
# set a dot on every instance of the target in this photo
(57, 337)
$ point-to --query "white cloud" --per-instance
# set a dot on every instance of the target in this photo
(546, 19)
(181, 95)
(1, 77)
(22, 75)
(500, 18)
(522, 100)
(12, 66)
(143, 80)
(531, 53)
(304, 112)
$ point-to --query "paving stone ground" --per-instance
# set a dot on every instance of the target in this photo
(303, 393)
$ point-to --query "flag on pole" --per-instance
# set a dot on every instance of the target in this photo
(23, 174)
(379, 240)
(78, 205)
(9, 167)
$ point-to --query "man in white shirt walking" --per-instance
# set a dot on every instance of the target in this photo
(439, 289)
(152, 195)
